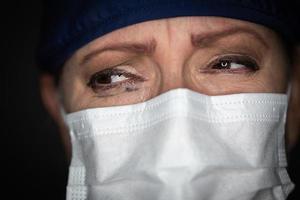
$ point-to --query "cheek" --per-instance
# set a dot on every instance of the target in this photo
(275, 73)
(275, 81)
(73, 91)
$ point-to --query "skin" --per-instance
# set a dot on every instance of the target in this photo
(210, 55)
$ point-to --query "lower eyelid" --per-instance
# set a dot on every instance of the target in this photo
(132, 82)
(222, 71)
(242, 70)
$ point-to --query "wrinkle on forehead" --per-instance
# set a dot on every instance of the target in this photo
(193, 24)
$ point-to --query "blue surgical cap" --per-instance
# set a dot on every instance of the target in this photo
(70, 24)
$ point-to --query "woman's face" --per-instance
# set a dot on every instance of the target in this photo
(210, 55)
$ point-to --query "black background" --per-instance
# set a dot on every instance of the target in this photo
(34, 160)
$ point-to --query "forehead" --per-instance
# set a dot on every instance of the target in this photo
(180, 25)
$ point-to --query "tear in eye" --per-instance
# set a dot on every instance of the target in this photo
(113, 78)
(108, 77)
(118, 78)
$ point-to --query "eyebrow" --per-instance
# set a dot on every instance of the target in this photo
(201, 40)
(146, 48)
(206, 39)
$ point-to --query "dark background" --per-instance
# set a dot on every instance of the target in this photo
(34, 160)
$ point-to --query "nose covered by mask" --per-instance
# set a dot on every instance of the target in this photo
(181, 145)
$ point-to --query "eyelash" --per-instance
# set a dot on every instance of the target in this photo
(220, 65)
(107, 74)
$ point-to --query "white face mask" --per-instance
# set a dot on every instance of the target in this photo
(181, 145)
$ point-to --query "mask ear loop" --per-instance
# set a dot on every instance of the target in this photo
(61, 106)
(63, 112)
(288, 94)
(64, 115)
(289, 90)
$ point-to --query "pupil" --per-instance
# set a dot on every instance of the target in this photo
(104, 79)
(224, 64)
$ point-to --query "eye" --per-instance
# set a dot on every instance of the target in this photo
(233, 63)
(112, 78)
(107, 77)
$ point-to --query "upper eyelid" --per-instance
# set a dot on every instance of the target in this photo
(108, 71)
(114, 71)
(104, 68)
(230, 56)
(130, 61)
